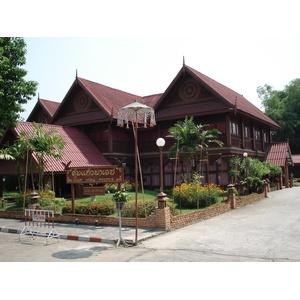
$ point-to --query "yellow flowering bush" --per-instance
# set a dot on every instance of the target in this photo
(192, 194)
(19, 199)
(47, 199)
(127, 186)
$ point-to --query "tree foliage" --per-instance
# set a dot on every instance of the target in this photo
(252, 171)
(284, 108)
(41, 142)
(192, 141)
(14, 89)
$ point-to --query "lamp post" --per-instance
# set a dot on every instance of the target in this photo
(245, 154)
(161, 197)
(136, 113)
(160, 142)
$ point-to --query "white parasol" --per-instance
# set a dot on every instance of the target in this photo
(137, 113)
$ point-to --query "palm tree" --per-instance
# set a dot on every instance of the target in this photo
(186, 133)
(207, 137)
(45, 142)
(5, 156)
(41, 142)
(192, 142)
(16, 152)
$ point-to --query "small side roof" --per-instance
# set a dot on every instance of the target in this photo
(47, 106)
(79, 149)
(279, 153)
(296, 159)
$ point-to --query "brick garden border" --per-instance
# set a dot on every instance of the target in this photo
(160, 218)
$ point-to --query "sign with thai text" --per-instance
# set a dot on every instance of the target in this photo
(106, 174)
(93, 190)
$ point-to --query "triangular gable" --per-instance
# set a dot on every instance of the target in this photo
(79, 150)
(233, 98)
(206, 91)
(43, 111)
(187, 96)
(88, 102)
(109, 99)
(279, 154)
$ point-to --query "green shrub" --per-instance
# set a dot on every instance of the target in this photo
(46, 198)
(105, 209)
(20, 198)
(67, 208)
(253, 184)
(127, 186)
(111, 188)
(193, 194)
(145, 208)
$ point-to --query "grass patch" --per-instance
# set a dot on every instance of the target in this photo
(148, 195)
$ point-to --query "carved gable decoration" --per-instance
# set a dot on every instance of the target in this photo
(81, 102)
(43, 117)
(189, 91)
(78, 102)
(78, 107)
(187, 96)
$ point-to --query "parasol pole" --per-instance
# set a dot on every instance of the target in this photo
(136, 179)
(136, 113)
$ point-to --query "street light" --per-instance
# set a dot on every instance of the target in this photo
(245, 154)
(160, 142)
(161, 197)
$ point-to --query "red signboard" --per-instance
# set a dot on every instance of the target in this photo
(106, 174)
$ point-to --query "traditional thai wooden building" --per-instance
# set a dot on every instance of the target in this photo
(91, 109)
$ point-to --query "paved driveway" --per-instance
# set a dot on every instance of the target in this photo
(267, 230)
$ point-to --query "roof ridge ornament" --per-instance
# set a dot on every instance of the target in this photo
(183, 65)
(76, 78)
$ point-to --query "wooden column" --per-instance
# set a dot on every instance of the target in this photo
(73, 198)
(228, 131)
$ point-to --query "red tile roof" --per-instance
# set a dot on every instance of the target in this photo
(151, 100)
(296, 158)
(279, 153)
(110, 100)
(232, 97)
(108, 97)
(42, 105)
(79, 149)
(49, 106)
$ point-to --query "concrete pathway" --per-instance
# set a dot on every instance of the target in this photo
(264, 231)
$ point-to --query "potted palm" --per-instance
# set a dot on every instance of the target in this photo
(120, 198)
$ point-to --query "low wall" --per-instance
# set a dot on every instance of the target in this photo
(156, 219)
(192, 217)
(160, 218)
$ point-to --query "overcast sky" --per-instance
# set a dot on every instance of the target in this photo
(138, 47)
